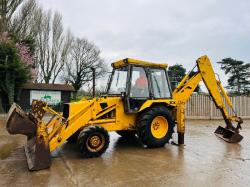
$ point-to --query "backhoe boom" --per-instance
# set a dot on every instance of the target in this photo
(186, 88)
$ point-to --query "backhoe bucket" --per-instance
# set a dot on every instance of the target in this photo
(37, 147)
(228, 135)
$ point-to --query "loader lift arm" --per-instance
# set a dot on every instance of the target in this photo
(187, 86)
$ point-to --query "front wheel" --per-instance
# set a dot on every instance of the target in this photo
(93, 141)
(155, 127)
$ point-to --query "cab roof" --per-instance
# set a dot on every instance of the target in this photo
(127, 61)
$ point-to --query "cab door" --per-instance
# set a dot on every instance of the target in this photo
(138, 90)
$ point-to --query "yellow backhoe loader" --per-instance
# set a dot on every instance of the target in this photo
(138, 102)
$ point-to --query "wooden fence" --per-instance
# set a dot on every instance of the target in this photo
(203, 107)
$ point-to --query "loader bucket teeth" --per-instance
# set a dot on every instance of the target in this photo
(228, 135)
(37, 148)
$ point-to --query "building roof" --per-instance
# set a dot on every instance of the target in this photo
(43, 86)
(126, 61)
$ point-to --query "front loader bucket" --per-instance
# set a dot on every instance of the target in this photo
(18, 122)
(37, 147)
(37, 154)
(228, 135)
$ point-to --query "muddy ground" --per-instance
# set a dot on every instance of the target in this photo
(204, 160)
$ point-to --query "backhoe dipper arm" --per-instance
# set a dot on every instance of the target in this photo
(187, 86)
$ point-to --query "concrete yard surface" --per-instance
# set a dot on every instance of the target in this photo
(205, 160)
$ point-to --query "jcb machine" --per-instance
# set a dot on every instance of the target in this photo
(138, 101)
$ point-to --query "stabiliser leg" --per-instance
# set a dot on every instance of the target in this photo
(181, 122)
(180, 138)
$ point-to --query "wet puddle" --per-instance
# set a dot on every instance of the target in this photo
(6, 149)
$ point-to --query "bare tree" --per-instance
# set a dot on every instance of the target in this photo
(53, 45)
(24, 21)
(45, 30)
(84, 56)
(7, 9)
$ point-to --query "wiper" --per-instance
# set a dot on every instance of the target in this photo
(157, 85)
(117, 78)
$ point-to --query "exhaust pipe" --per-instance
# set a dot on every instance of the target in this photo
(93, 74)
(30, 124)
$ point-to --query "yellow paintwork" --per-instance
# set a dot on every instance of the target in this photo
(126, 61)
(149, 103)
(89, 112)
(187, 86)
(112, 117)
(229, 102)
(187, 89)
(159, 127)
(180, 117)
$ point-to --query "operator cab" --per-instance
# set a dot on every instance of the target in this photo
(138, 81)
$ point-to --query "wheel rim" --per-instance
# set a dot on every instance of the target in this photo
(95, 142)
(159, 127)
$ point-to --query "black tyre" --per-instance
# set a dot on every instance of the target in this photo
(126, 133)
(93, 141)
(155, 126)
(73, 139)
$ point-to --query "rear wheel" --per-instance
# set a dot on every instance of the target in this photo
(155, 127)
(93, 141)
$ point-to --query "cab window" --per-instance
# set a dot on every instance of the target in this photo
(119, 79)
(139, 83)
(159, 83)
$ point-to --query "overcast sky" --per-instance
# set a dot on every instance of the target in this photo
(161, 30)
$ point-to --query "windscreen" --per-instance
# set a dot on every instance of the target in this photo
(118, 82)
